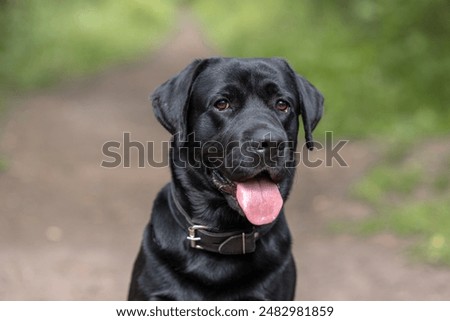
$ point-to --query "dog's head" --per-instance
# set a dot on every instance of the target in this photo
(235, 124)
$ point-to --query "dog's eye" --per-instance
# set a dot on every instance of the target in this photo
(282, 105)
(222, 104)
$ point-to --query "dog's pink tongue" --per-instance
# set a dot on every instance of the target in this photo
(260, 200)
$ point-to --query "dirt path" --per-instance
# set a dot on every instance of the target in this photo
(70, 229)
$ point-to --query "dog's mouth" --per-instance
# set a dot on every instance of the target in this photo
(258, 197)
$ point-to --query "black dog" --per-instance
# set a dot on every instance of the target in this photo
(218, 231)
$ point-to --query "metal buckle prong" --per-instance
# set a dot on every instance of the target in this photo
(192, 235)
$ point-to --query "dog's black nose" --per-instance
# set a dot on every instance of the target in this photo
(263, 140)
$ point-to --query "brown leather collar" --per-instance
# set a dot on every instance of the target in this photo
(201, 237)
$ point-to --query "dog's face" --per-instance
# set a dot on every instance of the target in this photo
(236, 123)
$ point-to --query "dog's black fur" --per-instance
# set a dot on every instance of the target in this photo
(224, 101)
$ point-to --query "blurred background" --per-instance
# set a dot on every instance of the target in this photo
(74, 75)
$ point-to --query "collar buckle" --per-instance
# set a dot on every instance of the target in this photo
(193, 235)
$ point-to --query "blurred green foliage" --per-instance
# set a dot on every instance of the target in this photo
(383, 65)
(43, 41)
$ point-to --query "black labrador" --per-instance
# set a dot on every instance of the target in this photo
(218, 231)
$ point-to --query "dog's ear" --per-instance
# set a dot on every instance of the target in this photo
(171, 99)
(311, 108)
(311, 102)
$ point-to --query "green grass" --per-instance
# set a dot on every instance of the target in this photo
(427, 221)
(391, 189)
(45, 41)
(384, 181)
(442, 183)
